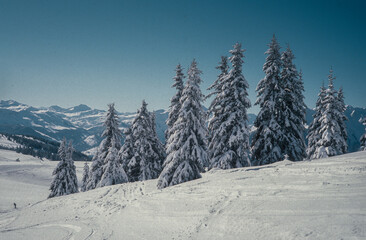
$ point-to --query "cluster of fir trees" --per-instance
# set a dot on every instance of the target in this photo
(139, 158)
(228, 132)
(191, 147)
(142, 155)
(280, 121)
(186, 134)
(64, 181)
(327, 133)
(279, 125)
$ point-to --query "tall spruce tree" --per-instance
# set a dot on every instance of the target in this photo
(69, 157)
(268, 138)
(112, 139)
(65, 180)
(85, 178)
(228, 126)
(157, 146)
(314, 128)
(343, 146)
(148, 156)
(363, 137)
(331, 140)
(113, 172)
(175, 104)
(187, 155)
(216, 87)
(293, 109)
(216, 109)
(127, 150)
(62, 150)
(96, 171)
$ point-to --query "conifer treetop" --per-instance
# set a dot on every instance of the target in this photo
(331, 78)
(178, 78)
(175, 104)
(216, 87)
(111, 127)
(61, 152)
(269, 83)
(236, 57)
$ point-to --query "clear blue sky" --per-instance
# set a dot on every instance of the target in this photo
(97, 52)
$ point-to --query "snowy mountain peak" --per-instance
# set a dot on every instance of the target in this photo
(13, 105)
(56, 108)
(79, 108)
(8, 103)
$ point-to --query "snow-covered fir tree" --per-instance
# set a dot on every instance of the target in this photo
(62, 150)
(112, 137)
(113, 172)
(363, 136)
(96, 171)
(343, 146)
(215, 108)
(268, 138)
(228, 126)
(331, 140)
(175, 101)
(148, 152)
(216, 87)
(314, 128)
(73, 179)
(157, 145)
(65, 180)
(187, 154)
(127, 150)
(85, 178)
(293, 109)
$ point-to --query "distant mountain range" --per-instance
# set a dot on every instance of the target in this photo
(83, 125)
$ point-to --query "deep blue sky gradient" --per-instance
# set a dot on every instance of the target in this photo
(97, 52)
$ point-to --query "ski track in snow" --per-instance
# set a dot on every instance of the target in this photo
(319, 199)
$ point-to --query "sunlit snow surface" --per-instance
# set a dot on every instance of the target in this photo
(320, 199)
(4, 142)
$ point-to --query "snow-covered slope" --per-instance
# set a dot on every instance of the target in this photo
(6, 143)
(319, 199)
(25, 181)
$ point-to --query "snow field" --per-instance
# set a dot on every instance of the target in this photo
(27, 181)
(319, 199)
(4, 142)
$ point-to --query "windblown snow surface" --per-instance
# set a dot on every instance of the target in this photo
(319, 199)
